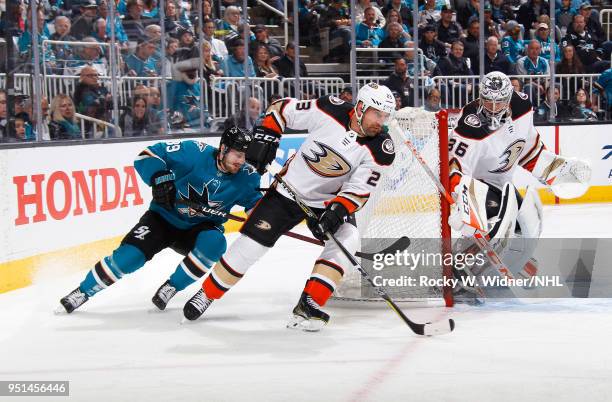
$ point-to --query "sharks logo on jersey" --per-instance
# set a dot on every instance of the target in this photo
(326, 162)
(200, 198)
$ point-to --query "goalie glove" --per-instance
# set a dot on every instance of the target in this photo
(262, 150)
(567, 177)
(164, 189)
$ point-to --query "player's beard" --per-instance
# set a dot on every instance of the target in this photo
(372, 131)
(227, 167)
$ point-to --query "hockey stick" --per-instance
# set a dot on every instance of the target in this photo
(479, 237)
(400, 244)
(206, 210)
(435, 328)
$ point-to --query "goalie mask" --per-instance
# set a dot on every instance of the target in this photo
(495, 94)
(374, 96)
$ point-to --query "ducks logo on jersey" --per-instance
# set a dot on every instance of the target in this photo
(326, 162)
(512, 154)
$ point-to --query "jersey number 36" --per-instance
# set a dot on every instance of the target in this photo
(461, 147)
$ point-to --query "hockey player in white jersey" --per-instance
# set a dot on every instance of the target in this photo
(494, 136)
(334, 171)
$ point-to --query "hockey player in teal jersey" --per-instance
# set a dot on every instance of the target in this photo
(179, 171)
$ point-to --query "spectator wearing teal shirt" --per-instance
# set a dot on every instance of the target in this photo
(533, 63)
(141, 63)
(605, 80)
(543, 36)
(25, 41)
(368, 34)
(233, 64)
(512, 46)
(564, 13)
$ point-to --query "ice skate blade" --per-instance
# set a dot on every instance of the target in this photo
(300, 323)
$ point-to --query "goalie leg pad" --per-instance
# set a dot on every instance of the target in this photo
(522, 246)
(242, 254)
(504, 223)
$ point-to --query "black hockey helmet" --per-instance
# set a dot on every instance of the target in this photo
(236, 138)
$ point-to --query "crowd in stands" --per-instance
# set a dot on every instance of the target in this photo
(211, 43)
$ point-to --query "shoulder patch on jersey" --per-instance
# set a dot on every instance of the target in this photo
(388, 147)
(472, 120)
(469, 124)
(340, 112)
(519, 104)
(381, 148)
(201, 145)
(248, 169)
(334, 100)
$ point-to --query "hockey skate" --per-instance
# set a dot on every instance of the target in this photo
(196, 306)
(73, 300)
(465, 292)
(308, 316)
(163, 295)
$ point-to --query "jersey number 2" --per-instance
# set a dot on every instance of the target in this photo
(373, 180)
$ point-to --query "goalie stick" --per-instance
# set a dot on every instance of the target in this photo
(479, 237)
(429, 329)
(400, 244)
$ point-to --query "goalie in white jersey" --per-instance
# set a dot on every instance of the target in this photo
(334, 171)
(495, 135)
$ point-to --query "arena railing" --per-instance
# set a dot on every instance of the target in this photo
(456, 91)
(605, 18)
(225, 96)
(97, 122)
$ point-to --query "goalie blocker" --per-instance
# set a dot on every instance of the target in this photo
(512, 223)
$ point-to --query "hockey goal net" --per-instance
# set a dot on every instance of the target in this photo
(407, 203)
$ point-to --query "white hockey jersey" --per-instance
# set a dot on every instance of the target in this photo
(333, 163)
(492, 156)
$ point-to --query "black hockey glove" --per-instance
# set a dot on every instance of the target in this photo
(262, 150)
(330, 221)
(164, 190)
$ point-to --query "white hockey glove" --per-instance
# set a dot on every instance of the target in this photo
(567, 177)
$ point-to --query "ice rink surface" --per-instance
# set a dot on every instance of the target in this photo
(117, 348)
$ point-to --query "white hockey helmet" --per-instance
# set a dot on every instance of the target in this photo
(373, 95)
(376, 96)
(495, 94)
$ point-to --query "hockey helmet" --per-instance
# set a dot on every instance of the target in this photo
(376, 96)
(495, 94)
(236, 138)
